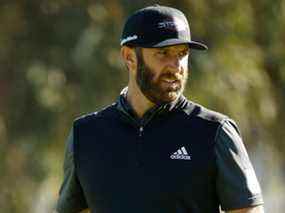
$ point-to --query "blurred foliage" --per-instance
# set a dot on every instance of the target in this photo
(60, 59)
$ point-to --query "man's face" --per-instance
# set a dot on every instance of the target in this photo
(162, 72)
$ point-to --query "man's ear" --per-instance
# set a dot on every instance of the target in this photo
(129, 56)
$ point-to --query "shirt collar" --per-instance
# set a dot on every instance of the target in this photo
(181, 103)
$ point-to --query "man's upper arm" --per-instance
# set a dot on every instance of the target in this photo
(71, 198)
(237, 185)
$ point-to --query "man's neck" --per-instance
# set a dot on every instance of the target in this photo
(138, 101)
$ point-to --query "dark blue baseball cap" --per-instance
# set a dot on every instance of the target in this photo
(158, 26)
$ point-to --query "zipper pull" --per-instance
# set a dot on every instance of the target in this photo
(141, 131)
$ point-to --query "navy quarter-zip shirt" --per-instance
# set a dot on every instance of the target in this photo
(179, 158)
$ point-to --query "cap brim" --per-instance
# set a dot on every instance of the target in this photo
(169, 42)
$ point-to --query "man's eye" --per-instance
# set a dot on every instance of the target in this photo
(162, 52)
(182, 54)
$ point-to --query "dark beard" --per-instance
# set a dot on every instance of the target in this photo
(152, 89)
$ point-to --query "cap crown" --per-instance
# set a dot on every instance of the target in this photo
(157, 26)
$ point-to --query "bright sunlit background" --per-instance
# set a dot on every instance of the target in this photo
(60, 59)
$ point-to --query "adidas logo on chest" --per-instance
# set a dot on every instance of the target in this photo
(181, 154)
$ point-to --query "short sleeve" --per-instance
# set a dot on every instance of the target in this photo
(71, 198)
(237, 184)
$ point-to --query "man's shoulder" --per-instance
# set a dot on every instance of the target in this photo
(200, 112)
(104, 113)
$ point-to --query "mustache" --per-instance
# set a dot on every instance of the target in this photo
(171, 76)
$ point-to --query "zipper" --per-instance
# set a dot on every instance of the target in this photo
(140, 131)
(139, 157)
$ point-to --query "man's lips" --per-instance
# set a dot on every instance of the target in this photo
(172, 84)
(170, 80)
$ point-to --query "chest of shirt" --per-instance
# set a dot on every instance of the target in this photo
(160, 154)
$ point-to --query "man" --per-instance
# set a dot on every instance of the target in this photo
(154, 151)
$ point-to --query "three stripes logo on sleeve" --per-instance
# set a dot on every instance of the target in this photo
(181, 154)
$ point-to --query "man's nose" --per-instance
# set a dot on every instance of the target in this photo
(175, 64)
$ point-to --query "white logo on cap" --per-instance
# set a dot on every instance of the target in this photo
(176, 24)
(129, 38)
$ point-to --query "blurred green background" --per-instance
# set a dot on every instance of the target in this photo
(60, 59)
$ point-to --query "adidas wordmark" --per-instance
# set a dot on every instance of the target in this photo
(181, 154)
